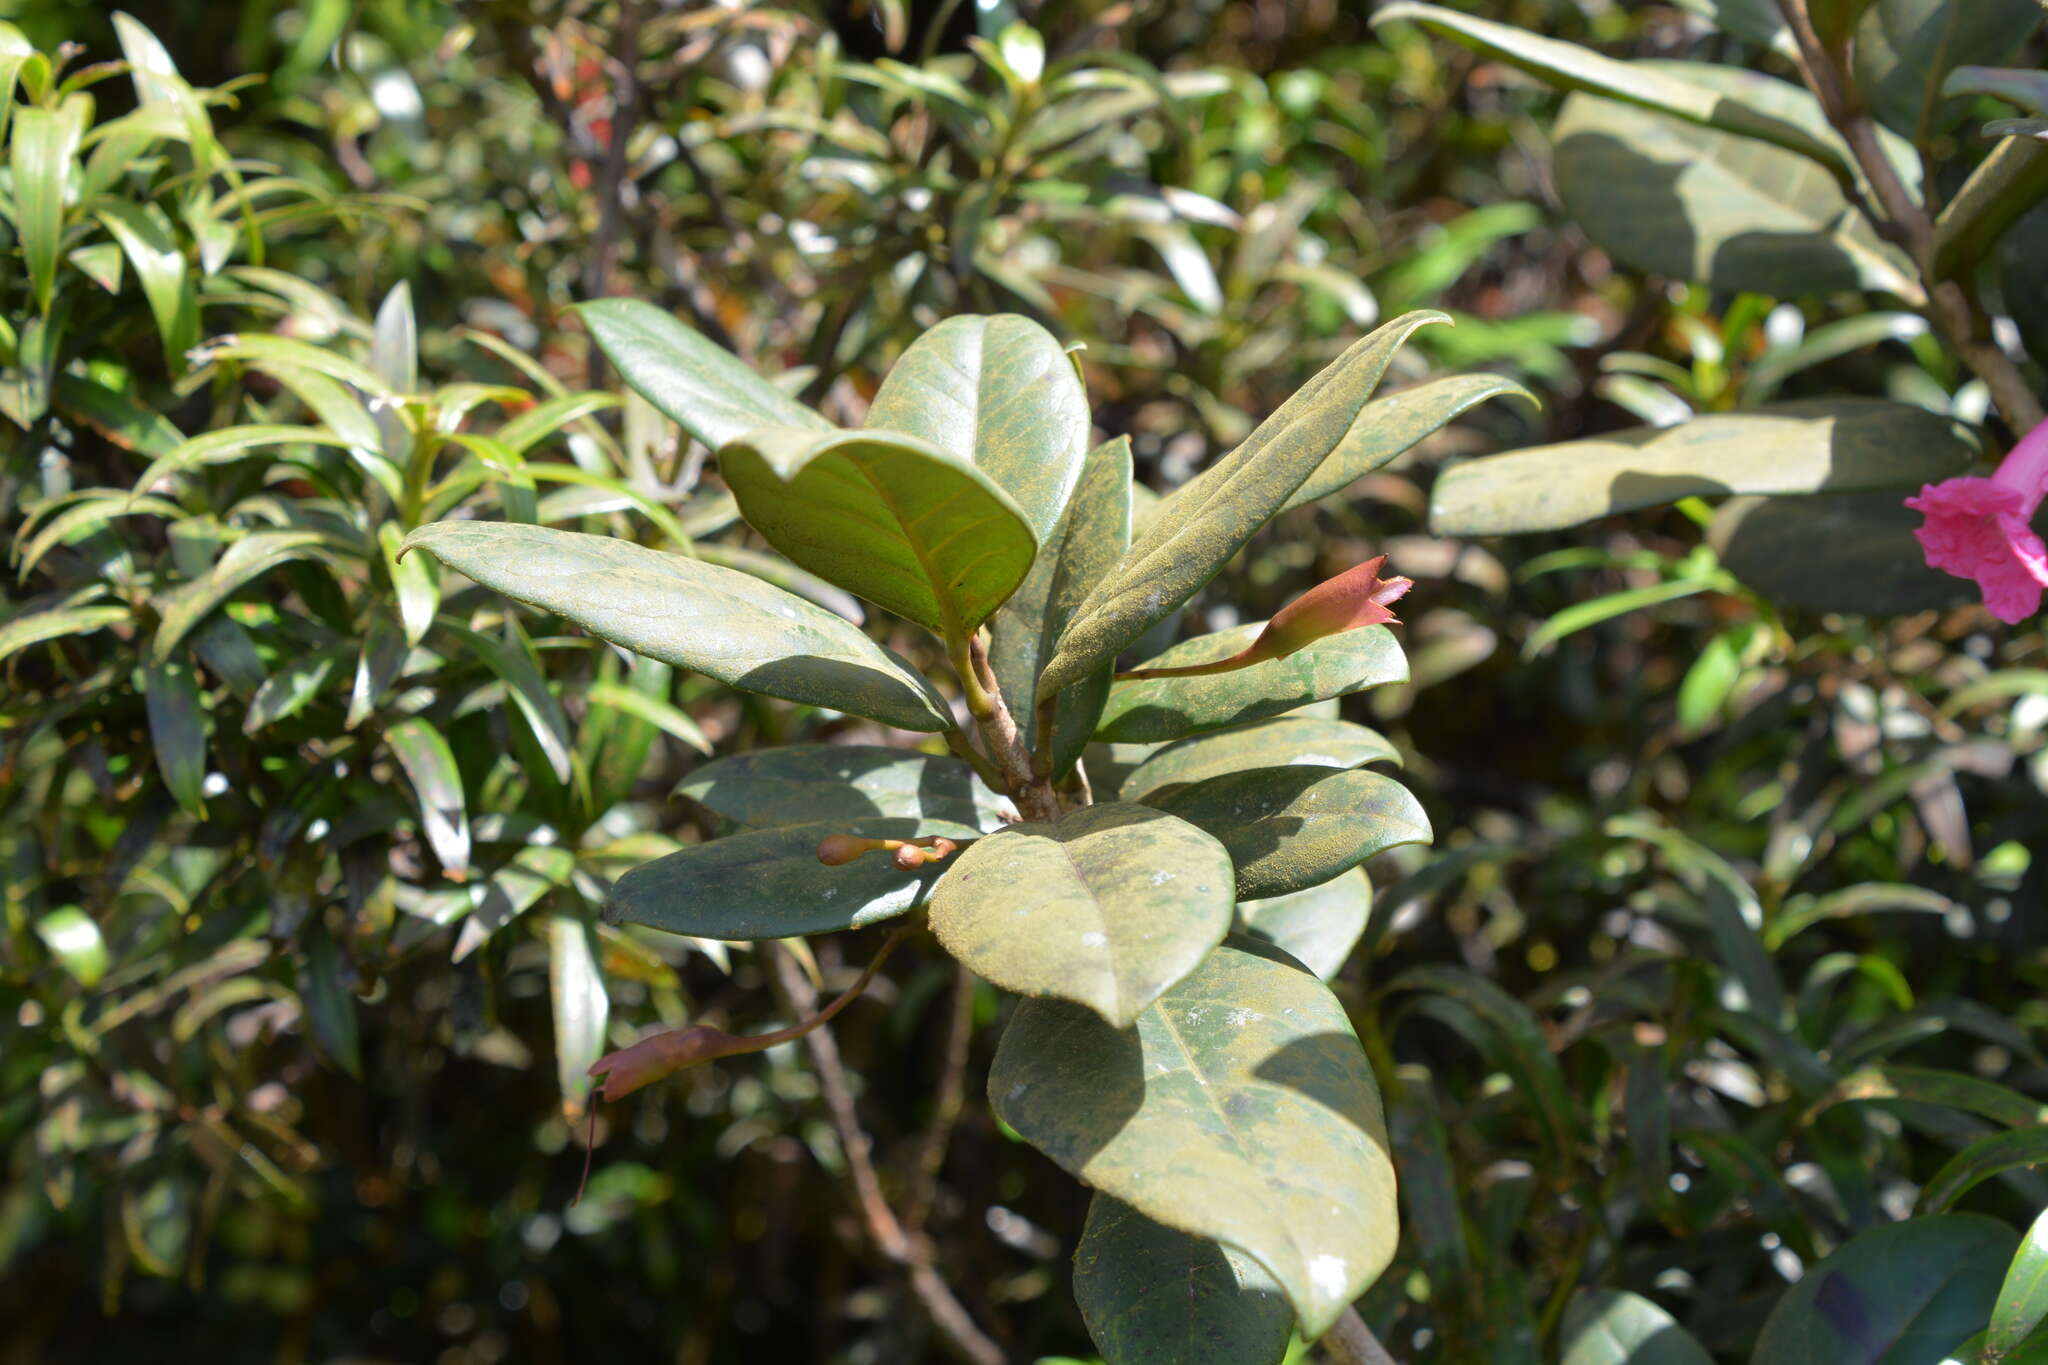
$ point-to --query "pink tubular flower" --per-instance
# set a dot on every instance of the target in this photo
(1981, 528)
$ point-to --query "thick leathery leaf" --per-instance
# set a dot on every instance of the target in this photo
(804, 783)
(1153, 710)
(1240, 1108)
(1210, 517)
(1615, 1327)
(1288, 829)
(891, 518)
(1154, 1296)
(1830, 445)
(1320, 925)
(728, 625)
(1106, 907)
(1847, 552)
(1023, 633)
(1393, 424)
(704, 389)
(1305, 740)
(768, 883)
(177, 730)
(1676, 199)
(1902, 1293)
(1001, 393)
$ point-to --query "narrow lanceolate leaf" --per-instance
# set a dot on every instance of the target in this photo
(705, 390)
(413, 580)
(1108, 906)
(177, 731)
(1288, 829)
(151, 245)
(44, 144)
(2023, 1298)
(1390, 425)
(1981, 1160)
(768, 883)
(1309, 741)
(1000, 392)
(1154, 1296)
(330, 1005)
(1615, 1327)
(581, 1008)
(297, 682)
(1210, 518)
(185, 606)
(1082, 550)
(795, 784)
(38, 626)
(1159, 709)
(891, 518)
(1240, 1108)
(1571, 67)
(437, 786)
(731, 626)
(1319, 925)
(528, 688)
(1829, 445)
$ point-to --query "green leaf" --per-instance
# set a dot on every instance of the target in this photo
(1071, 563)
(330, 1005)
(185, 606)
(1305, 740)
(773, 568)
(265, 352)
(177, 731)
(1833, 20)
(35, 627)
(1206, 521)
(1902, 1293)
(1981, 1160)
(1107, 907)
(147, 238)
(95, 508)
(1709, 682)
(414, 582)
(1652, 87)
(1668, 197)
(795, 784)
(1288, 829)
(1320, 925)
(45, 142)
(1832, 445)
(528, 689)
(116, 415)
(395, 341)
(704, 389)
(509, 892)
(1847, 552)
(2027, 89)
(1511, 1039)
(2023, 1297)
(1240, 1108)
(654, 710)
(228, 444)
(1391, 425)
(1584, 615)
(74, 939)
(1000, 393)
(1615, 1327)
(286, 692)
(437, 787)
(1905, 50)
(731, 626)
(1153, 710)
(581, 1008)
(1154, 1296)
(1926, 1085)
(768, 883)
(892, 518)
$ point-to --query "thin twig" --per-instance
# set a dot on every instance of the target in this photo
(963, 1339)
(947, 1104)
(1350, 1342)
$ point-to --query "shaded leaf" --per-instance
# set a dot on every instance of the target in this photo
(1292, 740)
(1160, 709)
(1288, 829)
(1845, 552)
(1318, 925)
(177, 731)
(1154, 1296)
(1905, 49)
(795, 784)
(1615, 1327)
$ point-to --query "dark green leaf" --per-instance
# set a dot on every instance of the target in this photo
(1393, 424)
(1291, 828)
(2023, 1298)
(177, 731)
(1981, 1160)
(1319, 925)
(330, 1004)
(1305, 741)
(1151, 710)
(796, 784)
(1905, 49)
(1845, 552)
(1154, 1296)
(1615, 1327)
(297, 681)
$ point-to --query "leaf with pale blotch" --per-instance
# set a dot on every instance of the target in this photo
(1615, 1327)
(1210, 517)
(1239, 1108)
(706, 390)
(1396, 423)
(1023, 634)
(1107, 907)
(769, 883)
(1292, 828)
(1828, 445)
(1319, 924)
(1310, 741)
(1159, 709)
(891, 518)
(794, 784)
(1356, 598)
(730, 626)
(1001, 393)
(1154, 1296)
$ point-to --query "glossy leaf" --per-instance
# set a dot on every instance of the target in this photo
(1240, 1108)
(581, 1008)
(177, 731)
(1833, 445)
(1396, 423)
(729, 625)
(796, 784)
(95, 508)
(1154, 1296)
(528, 689)
(509, 892)
(429, 766)
(1209, 518)
(1980, 1161)
(1902, 1293)
(704, 389)
(41, 152)
(1001, 393)
(2023, 1298)
(1288, 829)
(297, 681)
(35, 627)
(1292, 740)
(1160, 709)
(768, 883)
(1319, 925)
(891, 518)
(1847, 552)
(146, 237)
(654, 710)
(1107, 907)
(1615, 1327)
(414, 581)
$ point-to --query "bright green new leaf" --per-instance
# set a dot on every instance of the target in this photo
(796, 784)
(44, 144)
(1320, 924)
(1291, 828)
(1305, 740)
(1158, 709)
(1107, 907)
(701, 387)
(74, 939)
(1154, 1296)
(414, 581)
(1240, 1108)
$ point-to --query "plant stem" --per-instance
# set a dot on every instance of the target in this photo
(1350, 1342)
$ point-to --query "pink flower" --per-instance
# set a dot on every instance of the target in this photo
(1982, 528)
